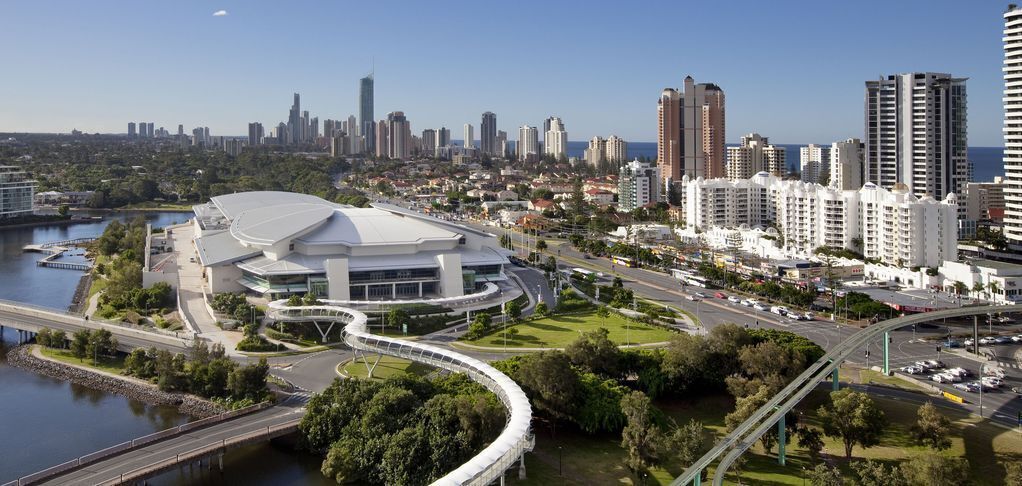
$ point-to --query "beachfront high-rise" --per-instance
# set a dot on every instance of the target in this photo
(488, 134)
(16, 192)
(365, 113)
(1013, 125)
(468, 136)
(916, 133)
(555, 140)
(528, 142)
(690, 131)
(755, 154)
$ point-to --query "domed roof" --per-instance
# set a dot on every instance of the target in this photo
(900, 188)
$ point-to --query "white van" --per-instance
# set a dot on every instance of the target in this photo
(779, 310)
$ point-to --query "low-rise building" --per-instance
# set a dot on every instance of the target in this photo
(1001, 282)
(17, 192)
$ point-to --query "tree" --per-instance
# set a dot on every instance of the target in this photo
(745, 407)
(811, 439)
(960, 288)
(199, 352)
(398, 316)
(875, 473)
(824, 475)
(58, 338)
(79, 344)
(552, 385)
(513, 310)
(64, 210)
(931, 428)
(932, 469)
(765, 364)
(644, 441)
(42, 337)
(101, 343)
(689, 442)
(542, 309)
(541, 245)
(593, 351)
(854, 418)
(249, 381)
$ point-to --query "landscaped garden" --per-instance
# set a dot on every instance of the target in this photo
(557, 331)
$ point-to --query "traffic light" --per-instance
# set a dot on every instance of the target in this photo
(867, 353)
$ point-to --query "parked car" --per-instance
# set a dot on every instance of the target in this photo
(720, 295)
(759, 307)
(912, 370)
(973, 387)
(734, 300)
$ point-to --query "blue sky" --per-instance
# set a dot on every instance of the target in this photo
(793, 71)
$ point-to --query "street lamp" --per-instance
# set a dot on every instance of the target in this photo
(982, 366)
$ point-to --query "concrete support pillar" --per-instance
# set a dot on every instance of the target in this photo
(835, 384)
(393, 291)
(781, 439)
(887, 353)
(221, 458)
(975, 335)
(420, 296)
(698, 480)
(1, 333)
(521, 467)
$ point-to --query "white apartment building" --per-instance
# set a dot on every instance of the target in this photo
(638, 185)
(555, 140)
(813, 161)
(616, 149)
(469, 136)
(528, 142)
(1013, 125)
(893, 226)
(754, 155)
(596, 151)
(17, 192)
(846, 164)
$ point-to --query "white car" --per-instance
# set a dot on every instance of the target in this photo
(759, 307)
(992, 381)
(924, 365)
(734, 300)
(692, 298)
(912, 370)
(746, 303)
(795, 316)
(986, 341)
(1016, 339)
(996, 372)
(959, 372)
(935, 364)
(809, 316)
(944, 378)
(968, 342)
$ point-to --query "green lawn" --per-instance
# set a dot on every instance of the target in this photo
(560, 330)
(599, 460)
(388, 366)
(110, 365)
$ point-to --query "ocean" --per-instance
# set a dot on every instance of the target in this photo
(987, 160)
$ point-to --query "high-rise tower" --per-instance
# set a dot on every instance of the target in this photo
(365, 113)
(1013, 125)
(488, 134)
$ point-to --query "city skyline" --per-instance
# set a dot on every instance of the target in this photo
(236, 89)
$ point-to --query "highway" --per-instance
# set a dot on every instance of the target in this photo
(168, 450)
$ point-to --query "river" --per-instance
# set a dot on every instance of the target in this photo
(46, 421)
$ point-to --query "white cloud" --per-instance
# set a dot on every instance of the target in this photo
(220, 13)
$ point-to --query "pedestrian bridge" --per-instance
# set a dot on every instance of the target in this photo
(772, 413)
(512, 443)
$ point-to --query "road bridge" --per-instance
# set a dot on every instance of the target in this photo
(203, 440)
(29, 320)
(772, 413)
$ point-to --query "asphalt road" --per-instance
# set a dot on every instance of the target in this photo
(127, 338)
(119, 464)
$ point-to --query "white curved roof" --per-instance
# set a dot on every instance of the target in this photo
(233, 205)
(268, 225)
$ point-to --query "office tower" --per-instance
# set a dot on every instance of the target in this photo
(382, 144)
(281, 136)
(205, 134)
(555, 140)
(488, 134)
(180, 130)
(294, 122)
(638, 185)
(428, 142)
(690, 131)
(1013, 126)
(616, 149)
(313, 128)
(131, 129)
(255, 134)
(813, 161)
(328, 127)
(528, 142)
(443, 137)
(232, 146)
(916, 133)
(754, 155)
(365, 113)
(596, 151)
(149, 129)
(846, 165)
(339, 143)
(468, 137)
(501, 144)
(399, 136)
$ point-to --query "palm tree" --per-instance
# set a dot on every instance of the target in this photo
(977, 288)
(960, 288)
(993, 287)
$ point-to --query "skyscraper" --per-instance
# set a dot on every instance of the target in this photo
(1013, 126)
(528, 142)
(488, 134)
(150, 132)
(691, 130)
(294, 123)
(180, 130)
(365, 113)
(596, 151)
(846, 164)
(428, 141)
(255, 134)
(131, 129)
(443, 137)
(501, 144)
(399, 135)
(382, 142)
(916, 133)
(754, 155)
(813, 159)
(555, 140)
(468, 136)
(616, 149)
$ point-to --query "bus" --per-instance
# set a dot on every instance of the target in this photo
(621, 260)
(689, 278)
(582, 272)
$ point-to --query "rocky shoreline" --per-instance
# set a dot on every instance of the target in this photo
(80, 300)
(22, 357)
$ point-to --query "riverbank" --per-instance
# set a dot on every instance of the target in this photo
(80, 299)
(23, 357)
(53, 222)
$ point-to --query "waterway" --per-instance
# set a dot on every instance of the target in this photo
(44, 421)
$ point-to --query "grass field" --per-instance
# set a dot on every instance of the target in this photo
(599, 460)
(388, 366)
(110, 365)
(560, 330)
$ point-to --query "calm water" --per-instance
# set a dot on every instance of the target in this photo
(59, 421)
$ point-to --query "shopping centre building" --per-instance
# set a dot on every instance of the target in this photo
(280, 243)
